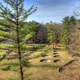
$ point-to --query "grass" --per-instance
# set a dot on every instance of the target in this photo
(5, 45)
(42, 73)
(9, 69)
(2, 52)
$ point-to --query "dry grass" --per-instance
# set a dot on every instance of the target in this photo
(53, 74)
(46, 72)
(5, 75)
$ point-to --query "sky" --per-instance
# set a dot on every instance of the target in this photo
(52, 10)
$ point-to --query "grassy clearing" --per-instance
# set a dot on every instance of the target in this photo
(42, 73)
(37, 70)
(2, 52)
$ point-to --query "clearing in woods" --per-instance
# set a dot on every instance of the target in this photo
(43, 67)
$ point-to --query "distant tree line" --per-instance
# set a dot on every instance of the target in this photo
(65, 33)
(46, 33)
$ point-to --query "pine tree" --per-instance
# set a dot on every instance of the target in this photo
(68, 30)
(52, 34)
(12, 19)
(65, 35)
(74, 36)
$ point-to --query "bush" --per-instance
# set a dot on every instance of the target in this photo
(43, 54)
(26, 63)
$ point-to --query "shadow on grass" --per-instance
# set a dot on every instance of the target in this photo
(46, 65)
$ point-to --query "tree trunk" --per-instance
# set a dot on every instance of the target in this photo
(18, 43)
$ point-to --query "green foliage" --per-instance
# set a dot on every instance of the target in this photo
(29, 36)
(69, 23)
(52, 37)
(4, 46)
(29, 30)
(38, 46)
(66, 21)
(25, 63)
(72, 20)
(13, 18)
(4, 34)
(32, 47)
(8, 17)
(43, 54)
(65, 37)
(2, 52)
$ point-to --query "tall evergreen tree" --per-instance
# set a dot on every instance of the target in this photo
(65, 35)
(14, 17)
(74, 36)
(52, 34)
(68, 30)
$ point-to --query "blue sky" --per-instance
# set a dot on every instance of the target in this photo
(52, 10)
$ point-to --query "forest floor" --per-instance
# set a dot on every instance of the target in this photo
(43, 68)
